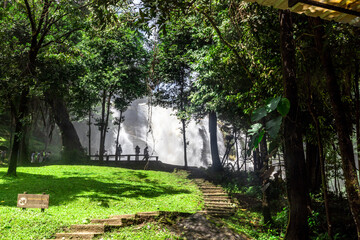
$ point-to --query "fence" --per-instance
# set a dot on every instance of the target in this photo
(125, 157)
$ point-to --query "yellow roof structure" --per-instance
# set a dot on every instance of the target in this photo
(344, 11)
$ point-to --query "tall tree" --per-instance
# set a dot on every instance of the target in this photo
(46, 23)
(343, 126)
(297, 191)
(116, 63)
(173, 72)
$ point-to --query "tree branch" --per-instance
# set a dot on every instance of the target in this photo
(217, 30)
(57, 40)
(31, 18)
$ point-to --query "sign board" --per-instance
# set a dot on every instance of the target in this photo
(33, 201)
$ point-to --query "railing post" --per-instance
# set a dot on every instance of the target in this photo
(128, 158)
(107, 158)
(157, 158)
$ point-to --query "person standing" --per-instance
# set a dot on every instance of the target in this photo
(146, 153)
(38, 155)
(137, 152)
(33, 157)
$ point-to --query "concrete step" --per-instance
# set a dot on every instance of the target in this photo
(215, 194)
(125, 216)
(76, 235)
(147, 215)
(214, 191)
(87, 228)
(209, 187)
(219, 206)
(109, 221)
(217, 203)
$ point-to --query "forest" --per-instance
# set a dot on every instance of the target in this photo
(285, 86)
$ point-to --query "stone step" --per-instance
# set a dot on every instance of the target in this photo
(76, 235)
(125, 216)
(219, 207)
(109, 221)
(214, 194)
(87, 228)
(214, 191)
(209, 187)
(227, 203)
(206, 185)
(147, 215)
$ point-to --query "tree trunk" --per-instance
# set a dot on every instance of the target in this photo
(296, 180)
(89, 133)
(107, 118)
(322, 169)
(343, 128)
(357, 111)
(19, 116)
(24, 154)
(237, 150)
(183, 121)
(102, 127)
(265, 182)
(313, 167)
(117, 137)
(70, 140)
(217, 167)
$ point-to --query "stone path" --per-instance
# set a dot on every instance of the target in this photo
(100, 226)
(216, 201)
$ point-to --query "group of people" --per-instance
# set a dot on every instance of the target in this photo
(40, 157)
(146, 152)
(118, 152)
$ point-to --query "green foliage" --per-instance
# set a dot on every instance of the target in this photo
(149, 231)
(269, 123)
(254, 191)
(281, 218)
(116, 64)
(81, 193)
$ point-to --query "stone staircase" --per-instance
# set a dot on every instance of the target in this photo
(100, 226)
(216, 201)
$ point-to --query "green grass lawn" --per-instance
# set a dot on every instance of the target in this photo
(81, 193)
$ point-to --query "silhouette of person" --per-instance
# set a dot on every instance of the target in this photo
(137, 152)
(146, 153)
(118, 152)
(119, 149)
(33, 157)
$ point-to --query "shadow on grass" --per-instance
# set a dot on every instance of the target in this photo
(69, 188)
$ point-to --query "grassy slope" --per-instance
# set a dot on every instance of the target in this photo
(80, 193)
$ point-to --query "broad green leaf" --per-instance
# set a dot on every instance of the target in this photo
(283, 106)
(255, 140)
(272, 105)
(258, 114)
(258, 138)
(273, 127)
(273, 147)
(255, 128)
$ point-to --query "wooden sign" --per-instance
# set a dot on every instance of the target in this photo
(33, 201)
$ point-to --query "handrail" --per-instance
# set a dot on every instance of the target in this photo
(128, 157)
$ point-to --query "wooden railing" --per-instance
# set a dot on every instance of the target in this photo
(125, 157)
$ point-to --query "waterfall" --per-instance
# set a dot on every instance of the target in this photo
(160, 130)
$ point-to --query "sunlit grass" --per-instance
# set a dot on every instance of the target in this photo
(80, 193)
(250, 223)
(149, 231)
